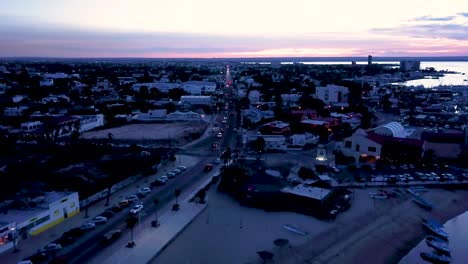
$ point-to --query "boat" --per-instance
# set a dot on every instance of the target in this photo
(433, 222)
(423, 203)
(436, 230)
(435, 258)
(439, 246)
(295, 229)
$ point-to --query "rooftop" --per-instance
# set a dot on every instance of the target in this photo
(310, 192)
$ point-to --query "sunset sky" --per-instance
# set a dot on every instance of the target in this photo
(238, 28)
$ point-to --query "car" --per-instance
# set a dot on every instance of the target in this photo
(208, 167)
(74, 232)
(39, 257)
(116, 208)
(144, 191)
(52, 247)
(64, 240)
(124, 203)
(136, 209)
(132, 198)
(159, 181)
(171, 175)
(214, 146)
(217, 161)
(107, 214)
(88, 226)
(220, 135)
(335, 169)
(224, 121)
(111, 236)
(25, 262)
(182, 168)
(176, 171)
(98, 220)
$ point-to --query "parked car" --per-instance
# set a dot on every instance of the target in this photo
(124, 203)
(217, 161)
(88, 226)
(107, 214)
(132, 198)
(208, 167)
(98, 220)
(116, 208)
(182, 168)
(171, 175)
(159, 181)
(219, 135)
(39, 257)
(111, 236)
(144, 191)
(176, 171)
(52, 247)
(64, 240)
(136, 209)
(74, 232)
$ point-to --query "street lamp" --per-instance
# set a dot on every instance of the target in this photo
(14, 235)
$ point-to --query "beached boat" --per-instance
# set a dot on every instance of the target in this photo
(439, 246)
(436, 230)
(433, 222)
(295, 229)
(435, 258)
(422, 203)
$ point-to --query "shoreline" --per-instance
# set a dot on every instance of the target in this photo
(386, 239)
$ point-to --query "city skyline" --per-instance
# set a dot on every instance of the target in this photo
(217, 29)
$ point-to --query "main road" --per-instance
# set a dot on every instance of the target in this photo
(88, 245)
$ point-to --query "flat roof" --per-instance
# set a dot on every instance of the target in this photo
(313, 122)
(310, 192)
(19, 216)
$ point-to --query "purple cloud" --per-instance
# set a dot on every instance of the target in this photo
(449, 31)
(431, 18)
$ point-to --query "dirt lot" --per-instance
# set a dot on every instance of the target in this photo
(177, 133)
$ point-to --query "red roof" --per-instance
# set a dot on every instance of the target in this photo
(389, 140)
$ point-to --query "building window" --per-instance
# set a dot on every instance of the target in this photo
(348, 144)
(372, 149)
(357, 147)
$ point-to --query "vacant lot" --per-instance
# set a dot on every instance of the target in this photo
(177, 133)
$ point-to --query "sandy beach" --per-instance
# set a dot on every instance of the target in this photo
(371, 231)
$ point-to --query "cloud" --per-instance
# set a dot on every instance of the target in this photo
(464, 14)
(431, 18)
(449, 31)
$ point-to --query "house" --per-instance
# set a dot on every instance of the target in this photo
(272, 142)
(332, 94)
(89, 122)
(304, 139)
(255, 115)
(315, 123)
(196, 100)
(31, 126)
(199, 87)
(290, 99)
(360, 146)
(152, 115)
(60, 126)
(299, 115)
(126, 80)
(15, 111)
(275, 128)
(184, 116)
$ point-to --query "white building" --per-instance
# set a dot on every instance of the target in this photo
(31, 126)
(199, 87)
(272, 142)
(332, 94)
(304, 139)
(290, 99)
(45, 212)
(360, 145)
(88, 122)
(184, 116)
(196, 100)
(152, 115)
(392, 129)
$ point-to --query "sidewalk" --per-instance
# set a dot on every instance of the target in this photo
(30, 245)
(150, 242)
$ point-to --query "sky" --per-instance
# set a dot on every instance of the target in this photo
(238, 28)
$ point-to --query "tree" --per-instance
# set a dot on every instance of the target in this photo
(176, 206)
(176, 93)
(259, 145)
(131, 223)
(323, 134)
(156, 203)
(306, 173)
(226, 155)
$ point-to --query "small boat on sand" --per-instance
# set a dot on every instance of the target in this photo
(295, 229)
(435, 258)
(433, 222)
(439, 246)
(438, 231)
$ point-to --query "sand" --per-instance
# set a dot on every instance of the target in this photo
(371, 231)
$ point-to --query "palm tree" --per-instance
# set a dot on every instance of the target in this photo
(131, 223)
(155, 202)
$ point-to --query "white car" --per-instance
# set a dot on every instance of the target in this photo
(50, 248)
(145, 191)
(220, 135)
(176, 171)
(171, 175)
(99, 220)
(136, 209)
(162, 179)
(182, 168)
(217, 161)
(88, 226)
(132, 198)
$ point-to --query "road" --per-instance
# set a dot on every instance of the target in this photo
(89, 244)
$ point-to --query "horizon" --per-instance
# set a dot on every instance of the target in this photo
(216, 29)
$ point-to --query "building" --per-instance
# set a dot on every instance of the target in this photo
(89, 122)
(254, 96)
(392, 129)
(161, 86)
(196, 100)
(184, 116)
(304, 139)
(369, 60)
(290, 99)
(44, 212)
(275, 128)
(199, 87)
(332, 94)
(31, 126)
(410, 65)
